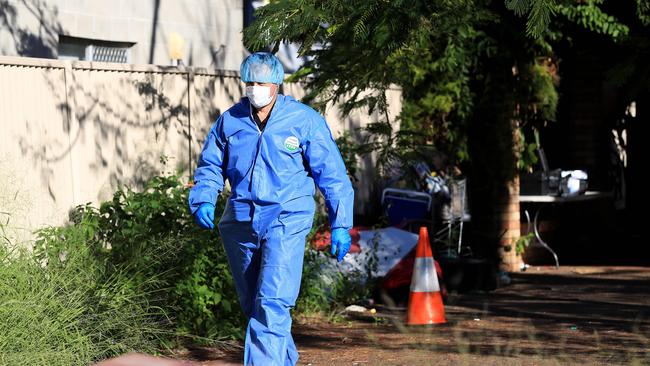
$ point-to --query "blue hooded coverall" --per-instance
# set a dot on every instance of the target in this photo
(270, 212)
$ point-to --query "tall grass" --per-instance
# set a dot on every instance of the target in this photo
(66, 309)
(40, 320)
(135, 274)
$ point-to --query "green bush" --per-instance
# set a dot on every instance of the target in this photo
(39, 325)
(132, 275)
(152, 235)
(135, 274)
(67, 310)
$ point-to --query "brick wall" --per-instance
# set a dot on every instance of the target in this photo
(509, 216)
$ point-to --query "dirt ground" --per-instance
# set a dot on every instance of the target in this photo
(546, 316)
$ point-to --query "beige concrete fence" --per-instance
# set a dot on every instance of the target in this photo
(72, 132)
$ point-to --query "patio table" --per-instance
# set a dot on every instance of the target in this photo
(544, 200)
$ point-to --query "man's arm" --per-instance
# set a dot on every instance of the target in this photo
(327, 168)
(208, 177)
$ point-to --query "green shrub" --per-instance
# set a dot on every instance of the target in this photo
(67, 310)
(129, 276)
(151, 234)
(39, 324)
(134, 274)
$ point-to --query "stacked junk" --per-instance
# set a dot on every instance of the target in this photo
(402, 254)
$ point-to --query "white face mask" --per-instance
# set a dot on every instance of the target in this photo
(259, 96)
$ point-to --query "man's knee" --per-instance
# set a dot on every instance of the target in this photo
(273, 313)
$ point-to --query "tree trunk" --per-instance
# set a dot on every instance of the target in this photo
(508, 215)
(494, 183)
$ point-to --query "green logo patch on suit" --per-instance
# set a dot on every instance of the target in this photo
(292, 143)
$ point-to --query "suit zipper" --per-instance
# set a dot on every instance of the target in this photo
(259, 148)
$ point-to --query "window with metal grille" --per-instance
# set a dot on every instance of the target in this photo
(83, 49)
(110, 54)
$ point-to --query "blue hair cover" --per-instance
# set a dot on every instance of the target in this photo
(262, 67)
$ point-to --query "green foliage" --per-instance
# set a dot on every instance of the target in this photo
(350, 154)
(61, 307)
(314, 289)
(523, 242)
(437, 93)
(153, 231)
(150, 239)
(134, 275)
(539, 14)
(587, 14)
(349, 289)
(526, 152)
(364, 38)
(537, 100)
(643, 11)
(473, 75)
(537, 96)
(435, 51)
(325, 289)
(130, 276)
(590, 16)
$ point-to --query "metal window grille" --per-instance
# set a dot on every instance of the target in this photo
(109, 54)
(83, 49)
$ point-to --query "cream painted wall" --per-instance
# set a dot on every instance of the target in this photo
(72, 132)
(211, 29)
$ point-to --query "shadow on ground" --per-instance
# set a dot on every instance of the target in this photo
(547, 316)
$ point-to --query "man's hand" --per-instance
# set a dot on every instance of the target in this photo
(341, 242)
(205, 216)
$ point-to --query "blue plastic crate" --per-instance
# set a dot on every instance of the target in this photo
(401, 205)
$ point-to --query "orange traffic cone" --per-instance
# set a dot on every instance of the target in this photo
(425, 301)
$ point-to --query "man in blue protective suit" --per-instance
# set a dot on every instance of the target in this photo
(272, 149)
